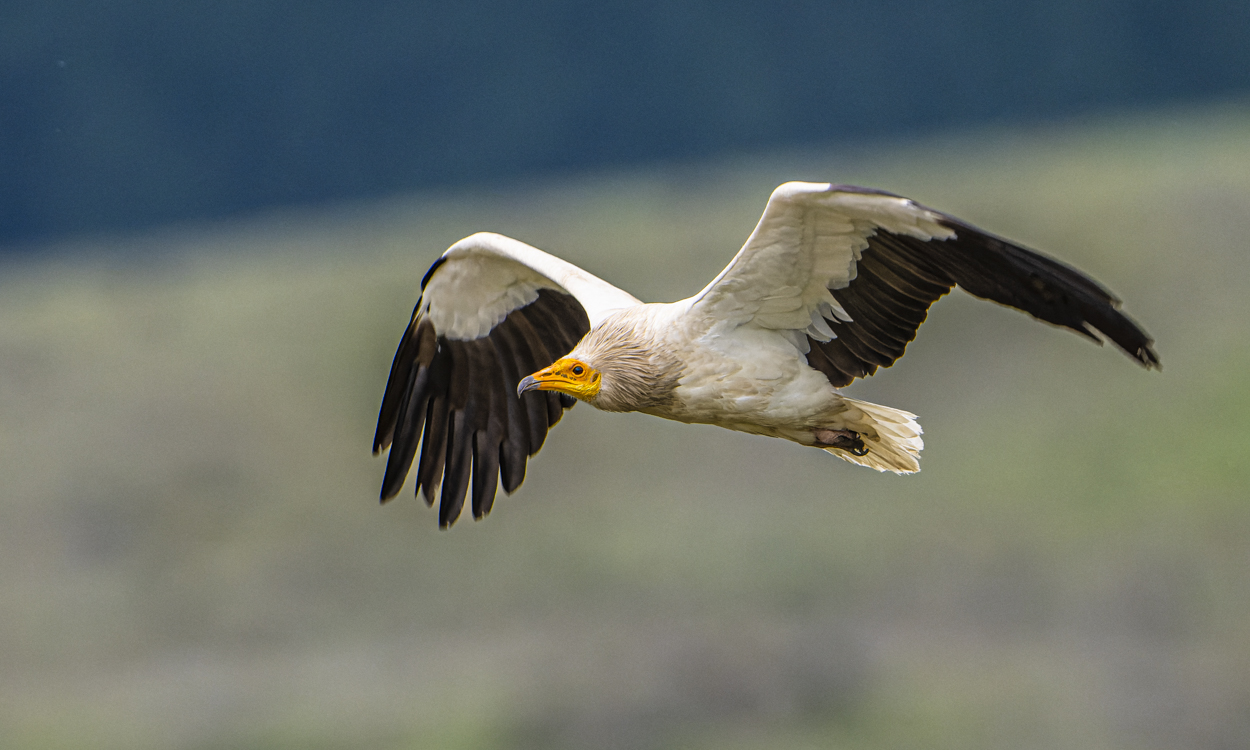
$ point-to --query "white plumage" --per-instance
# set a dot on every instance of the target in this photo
(486, 276)
(832, 284)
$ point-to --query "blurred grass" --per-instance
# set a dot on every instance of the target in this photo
(192, 555)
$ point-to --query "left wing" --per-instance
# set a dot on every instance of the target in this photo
(849, 273)
(492, 310)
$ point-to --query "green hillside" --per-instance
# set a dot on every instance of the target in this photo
(192, 555)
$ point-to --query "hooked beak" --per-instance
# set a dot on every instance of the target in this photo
(528, 383)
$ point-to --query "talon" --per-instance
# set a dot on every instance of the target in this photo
(847, 440)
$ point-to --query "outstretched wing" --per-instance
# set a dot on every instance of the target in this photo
(849, 274)
(492, 310)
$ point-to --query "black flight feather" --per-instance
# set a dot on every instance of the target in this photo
(899, 277)
(457, 402)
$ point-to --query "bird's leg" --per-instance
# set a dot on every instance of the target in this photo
(847, 440)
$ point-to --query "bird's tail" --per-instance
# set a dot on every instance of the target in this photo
(892, 437)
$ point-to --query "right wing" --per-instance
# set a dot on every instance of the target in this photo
(849, 273)
(492, 310)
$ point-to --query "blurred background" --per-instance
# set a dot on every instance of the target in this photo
(213, 220)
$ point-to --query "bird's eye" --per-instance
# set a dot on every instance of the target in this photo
(578, 370)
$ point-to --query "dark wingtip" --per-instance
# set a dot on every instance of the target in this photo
(388, 492)
(384, 435)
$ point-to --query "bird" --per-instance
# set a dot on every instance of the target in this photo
(831, 285)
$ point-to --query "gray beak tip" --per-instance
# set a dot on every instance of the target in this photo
(527, 384)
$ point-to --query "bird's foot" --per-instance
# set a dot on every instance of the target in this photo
(847, 440)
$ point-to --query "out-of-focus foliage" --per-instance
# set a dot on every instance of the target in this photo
(191, 554)
(127, 114)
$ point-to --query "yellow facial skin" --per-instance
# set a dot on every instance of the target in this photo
(571, 376)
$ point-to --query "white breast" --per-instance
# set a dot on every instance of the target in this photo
(746, 375)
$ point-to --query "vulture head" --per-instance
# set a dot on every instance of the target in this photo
(565, 375)
(616, 367)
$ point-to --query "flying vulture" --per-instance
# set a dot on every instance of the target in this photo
(831, 285)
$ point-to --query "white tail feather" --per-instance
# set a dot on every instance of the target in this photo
(891, 435)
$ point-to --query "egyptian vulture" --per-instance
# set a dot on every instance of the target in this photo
(831, 285)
